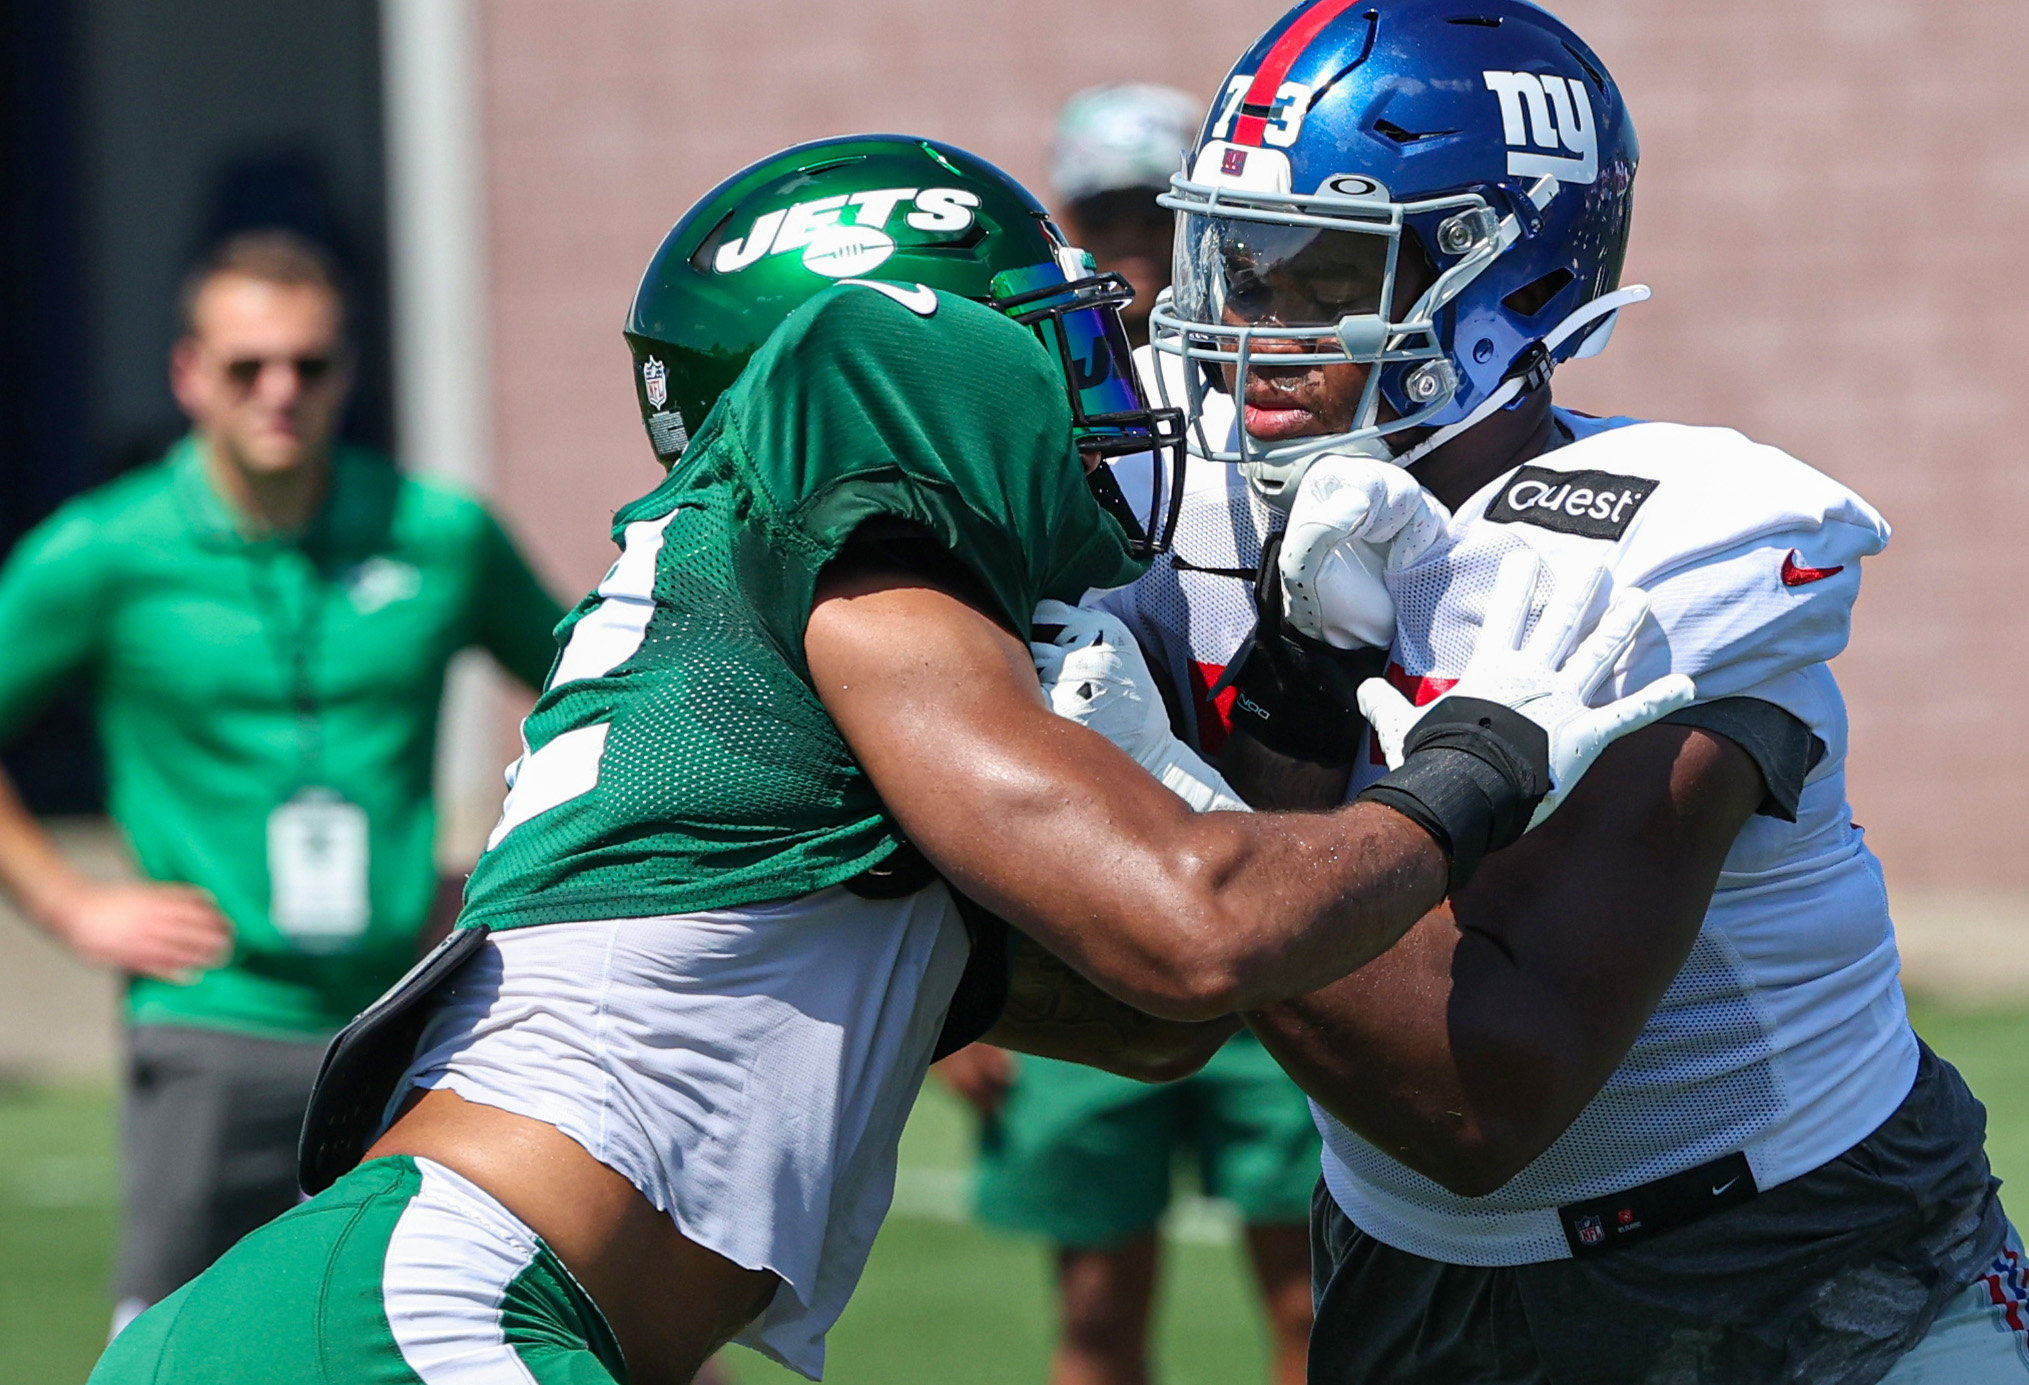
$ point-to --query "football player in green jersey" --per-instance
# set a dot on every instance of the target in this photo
(794, 750)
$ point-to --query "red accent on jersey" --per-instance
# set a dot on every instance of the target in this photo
(1214, 714)
(1794, 574)
(1420, 691)
(1248, 129)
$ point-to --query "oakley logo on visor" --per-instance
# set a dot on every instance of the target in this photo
(1546, 112)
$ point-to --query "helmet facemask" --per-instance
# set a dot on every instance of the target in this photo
(1075, 312)
(1320, 272)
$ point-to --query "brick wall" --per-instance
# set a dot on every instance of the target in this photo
(1827, 206)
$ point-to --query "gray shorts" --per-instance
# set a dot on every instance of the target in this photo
(1827, 1279)
(208, 1147)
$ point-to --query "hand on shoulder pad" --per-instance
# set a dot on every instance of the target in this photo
(1093, 673)
(1503, 746)
(1353, 519)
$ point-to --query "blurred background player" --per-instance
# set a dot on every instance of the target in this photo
(1071, 1153)
(266, 617)
(1112, 155)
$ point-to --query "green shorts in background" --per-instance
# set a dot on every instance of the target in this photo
(400, 1273)
(1083, 1157)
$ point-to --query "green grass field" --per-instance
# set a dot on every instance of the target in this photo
(942, 1301)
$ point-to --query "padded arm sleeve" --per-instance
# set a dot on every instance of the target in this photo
(1781, 746)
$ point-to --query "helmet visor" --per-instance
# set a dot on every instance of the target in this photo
(1078, 322)
(1244, 273)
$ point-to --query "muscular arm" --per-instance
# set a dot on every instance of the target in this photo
(1472, 1045)
(1183, 915)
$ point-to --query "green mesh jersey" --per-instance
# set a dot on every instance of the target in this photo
(679, 759)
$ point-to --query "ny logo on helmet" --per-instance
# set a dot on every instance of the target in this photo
(1546, 112)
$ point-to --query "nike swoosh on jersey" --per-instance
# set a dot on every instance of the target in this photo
(1724, 1186)
(919, 299)
(1795, 574)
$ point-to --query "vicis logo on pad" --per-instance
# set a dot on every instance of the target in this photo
(1591, 504)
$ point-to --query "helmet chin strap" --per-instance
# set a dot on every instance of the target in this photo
(1276, 482)
(1603, 306)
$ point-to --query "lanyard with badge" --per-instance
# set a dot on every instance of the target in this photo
(317, 838)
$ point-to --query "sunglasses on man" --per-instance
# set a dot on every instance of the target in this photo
(245, 371)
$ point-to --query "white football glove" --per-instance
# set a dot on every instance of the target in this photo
(1353, 519)
(1093, 673)
(1534, 678)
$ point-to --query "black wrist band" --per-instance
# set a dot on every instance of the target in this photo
(1472, 776)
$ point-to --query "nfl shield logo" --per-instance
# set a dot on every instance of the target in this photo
(1589, 1231)
(1234, 164)
(655, 375)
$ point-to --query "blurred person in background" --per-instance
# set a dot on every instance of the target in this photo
(1072, 1153)
(266, 616)
(1114, 150)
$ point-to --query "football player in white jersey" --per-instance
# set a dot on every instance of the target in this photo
(1640, 1102)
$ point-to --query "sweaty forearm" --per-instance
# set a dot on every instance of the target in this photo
(1184, 915)
(1201, 915)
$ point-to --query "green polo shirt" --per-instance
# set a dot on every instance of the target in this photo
(190, 632)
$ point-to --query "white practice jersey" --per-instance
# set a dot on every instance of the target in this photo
(1195, 606)
(1784, 1034)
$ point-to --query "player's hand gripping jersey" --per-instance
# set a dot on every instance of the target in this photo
(1784, 1034)
(679, 759)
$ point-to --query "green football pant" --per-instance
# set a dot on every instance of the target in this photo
(401, 1273)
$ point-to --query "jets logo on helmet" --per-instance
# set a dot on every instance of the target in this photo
(815, 227)
(1438, 192)
(927, 218)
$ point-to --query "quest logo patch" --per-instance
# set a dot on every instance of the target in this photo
(1591, 504)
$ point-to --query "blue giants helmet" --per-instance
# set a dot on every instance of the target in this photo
(1473, 153)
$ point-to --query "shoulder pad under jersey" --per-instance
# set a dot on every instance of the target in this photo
(1751, 559)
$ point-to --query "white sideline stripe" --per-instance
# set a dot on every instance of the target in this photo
(564, 768)
(610, 633)
(449, 1261)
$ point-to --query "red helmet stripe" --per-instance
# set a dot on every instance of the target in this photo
(1259, 102)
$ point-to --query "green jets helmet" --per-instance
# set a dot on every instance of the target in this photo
(897, 210)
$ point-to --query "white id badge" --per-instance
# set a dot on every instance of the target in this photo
(317, 870)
